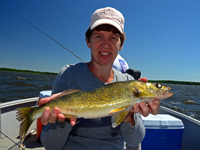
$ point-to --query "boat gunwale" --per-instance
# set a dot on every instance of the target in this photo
(171, 111)
(18, 102)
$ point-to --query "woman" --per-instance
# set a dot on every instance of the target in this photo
(105, 38)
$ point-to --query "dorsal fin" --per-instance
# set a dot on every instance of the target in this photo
(66, 92)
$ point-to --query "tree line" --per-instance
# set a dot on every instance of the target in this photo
(27, 71)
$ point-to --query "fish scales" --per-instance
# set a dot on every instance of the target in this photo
(103, 99)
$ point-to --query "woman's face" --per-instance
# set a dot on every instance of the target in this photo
(104, 46)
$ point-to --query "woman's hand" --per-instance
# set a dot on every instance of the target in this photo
(144, 109)
(50, 116)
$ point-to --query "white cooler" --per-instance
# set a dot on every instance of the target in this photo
(163, 132)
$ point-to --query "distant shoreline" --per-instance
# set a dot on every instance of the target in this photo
(27, 71)
(52, 73)
(175, 82)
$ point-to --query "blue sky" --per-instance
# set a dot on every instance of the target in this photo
(163, 36)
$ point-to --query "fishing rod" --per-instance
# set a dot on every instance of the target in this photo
(11, 139)
(49, 37)
(21, 146)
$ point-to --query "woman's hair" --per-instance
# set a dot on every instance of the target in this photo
(105, 27)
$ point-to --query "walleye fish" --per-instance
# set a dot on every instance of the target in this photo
(115, 99)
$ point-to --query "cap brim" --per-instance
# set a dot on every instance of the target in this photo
(106, 21)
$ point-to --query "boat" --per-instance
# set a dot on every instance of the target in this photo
(9, 126)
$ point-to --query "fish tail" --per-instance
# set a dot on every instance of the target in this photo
(24, 114)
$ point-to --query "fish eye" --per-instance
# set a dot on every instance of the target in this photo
(158, 85)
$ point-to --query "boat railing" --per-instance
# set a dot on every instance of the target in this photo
(8, 122)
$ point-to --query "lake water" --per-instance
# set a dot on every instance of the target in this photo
(14, 86)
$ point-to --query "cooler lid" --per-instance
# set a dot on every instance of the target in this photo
(162, 121)
(44, 94)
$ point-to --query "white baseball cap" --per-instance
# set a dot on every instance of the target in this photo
(107, 15)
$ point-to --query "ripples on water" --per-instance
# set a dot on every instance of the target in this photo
(13, 86)
(186, 99)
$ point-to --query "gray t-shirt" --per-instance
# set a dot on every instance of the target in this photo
(89, 134)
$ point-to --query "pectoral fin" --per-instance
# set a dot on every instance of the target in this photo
(118, 115)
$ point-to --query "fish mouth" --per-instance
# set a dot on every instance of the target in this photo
(165, 95)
